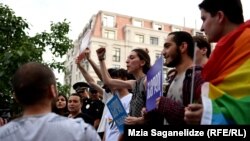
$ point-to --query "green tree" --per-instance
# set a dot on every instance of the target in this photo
(18, 47)
(63, 89)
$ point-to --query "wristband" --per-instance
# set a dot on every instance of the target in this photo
(101, 59)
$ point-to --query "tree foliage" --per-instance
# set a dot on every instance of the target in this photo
(63, 89)
(18, 47)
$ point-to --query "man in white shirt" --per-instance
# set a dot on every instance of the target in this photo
(34, 87)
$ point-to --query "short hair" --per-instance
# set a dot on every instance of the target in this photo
(182, 36)
(120, 73)
(76, 94)
(202, 42)
(143, 55)
(92, 90)
(31, 83)
(107, 90)
(231, 8)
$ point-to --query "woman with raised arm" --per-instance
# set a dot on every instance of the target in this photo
(86, 55)
(107, 122)
(138, 64)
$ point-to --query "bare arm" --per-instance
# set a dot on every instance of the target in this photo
(114, 83)
(88, 78)
(93, 64)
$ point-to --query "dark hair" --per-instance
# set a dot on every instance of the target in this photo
(63, 111)
(31, 82)
(92, 90)
(76, 94)
(143, 55)
(231, 8)
(107, 90)
(183, 36)
(203, 43)
(110, 71)
(120, 73)
(65, 97)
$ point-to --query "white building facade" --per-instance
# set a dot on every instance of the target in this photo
(119, 34)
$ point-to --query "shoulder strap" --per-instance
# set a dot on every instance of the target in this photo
(187, 84)
(170, 77)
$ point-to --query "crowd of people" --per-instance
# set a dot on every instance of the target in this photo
(202, 88)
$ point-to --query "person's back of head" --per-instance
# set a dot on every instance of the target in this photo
(201, 42)
(32, 83)
(182, 36)
(34, 86)
(232, 9)
(121, 74)
(107, 89)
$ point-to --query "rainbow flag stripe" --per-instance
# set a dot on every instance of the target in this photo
(226, 94)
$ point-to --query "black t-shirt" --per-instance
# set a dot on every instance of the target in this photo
(93, 108)
(86, 118)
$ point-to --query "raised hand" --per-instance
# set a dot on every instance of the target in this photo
(101, 53)
(82, 56)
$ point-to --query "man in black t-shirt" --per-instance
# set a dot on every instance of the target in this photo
(91, 106)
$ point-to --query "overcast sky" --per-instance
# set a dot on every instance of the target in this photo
(40, 13)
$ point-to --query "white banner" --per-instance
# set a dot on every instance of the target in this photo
(85, 40)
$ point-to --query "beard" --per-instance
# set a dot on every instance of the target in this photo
(176, 59)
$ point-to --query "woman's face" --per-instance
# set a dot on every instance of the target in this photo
(134, 63)
(61, 102)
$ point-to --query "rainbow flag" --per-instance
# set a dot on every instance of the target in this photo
(226, 93)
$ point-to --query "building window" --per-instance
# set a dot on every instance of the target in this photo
(71, 68)
(115, 66)
(109, 34)
(137, 23)
(139, 38)
(80, 76)
(72, 52)
(199, 34)
(76, 77)
(70, 80)
(175, 29)
(108, 21)
(157, 26)
(100, 83)
(116, 54)
(68, 56)
(154, 41)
